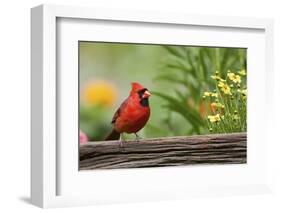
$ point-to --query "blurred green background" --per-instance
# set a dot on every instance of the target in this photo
(177, 76)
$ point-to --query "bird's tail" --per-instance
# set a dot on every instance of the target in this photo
(114, 135)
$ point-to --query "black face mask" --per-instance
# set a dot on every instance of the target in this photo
(143, 101)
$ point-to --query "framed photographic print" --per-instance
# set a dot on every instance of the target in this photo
(130, 106)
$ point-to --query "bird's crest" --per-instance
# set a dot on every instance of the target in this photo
(136, 87)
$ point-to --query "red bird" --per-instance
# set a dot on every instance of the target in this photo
(133, 113)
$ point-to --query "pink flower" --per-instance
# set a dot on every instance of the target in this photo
(83, 138)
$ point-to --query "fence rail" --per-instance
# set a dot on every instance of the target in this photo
(168, 151)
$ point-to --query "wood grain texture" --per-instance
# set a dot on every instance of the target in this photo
(168, 151)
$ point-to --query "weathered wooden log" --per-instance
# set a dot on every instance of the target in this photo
(168, 151)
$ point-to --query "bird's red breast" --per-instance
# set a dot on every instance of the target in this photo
(134, 112)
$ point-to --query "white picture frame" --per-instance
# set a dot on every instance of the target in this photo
(46, 173)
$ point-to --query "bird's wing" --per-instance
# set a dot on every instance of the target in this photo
(119, 111)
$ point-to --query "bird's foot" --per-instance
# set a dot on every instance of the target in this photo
(121, 145)
(138, 138)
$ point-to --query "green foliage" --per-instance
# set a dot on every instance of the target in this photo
(94, 121)
(187, 71)
(179, 105)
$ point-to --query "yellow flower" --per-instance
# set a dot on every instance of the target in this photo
(101, 93)
(211, 94)
(214, 118)
(214, 94)
(243, 92)
(242, 72)
(234, 78)
(207, 94)
(217, 105)
(215, 77)
(224, 88)
(235, 117)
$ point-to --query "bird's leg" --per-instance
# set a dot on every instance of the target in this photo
(137, 137)
(121, 140)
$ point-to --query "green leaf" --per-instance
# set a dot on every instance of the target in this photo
(176, 51)
(171, 78)
(189, 114)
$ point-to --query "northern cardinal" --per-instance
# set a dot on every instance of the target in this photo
(133, 113)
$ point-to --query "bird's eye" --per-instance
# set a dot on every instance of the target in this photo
(141, 92)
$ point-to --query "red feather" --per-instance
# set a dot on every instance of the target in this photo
(131, 116)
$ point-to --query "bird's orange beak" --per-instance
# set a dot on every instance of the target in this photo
(146, 94)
